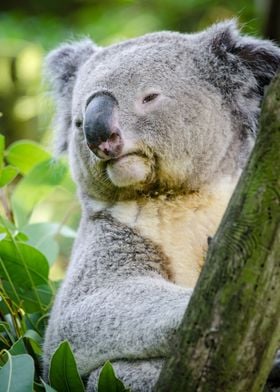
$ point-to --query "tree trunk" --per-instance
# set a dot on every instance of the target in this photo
(272, 24)
(231, 330)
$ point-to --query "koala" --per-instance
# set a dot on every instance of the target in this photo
(157, 130)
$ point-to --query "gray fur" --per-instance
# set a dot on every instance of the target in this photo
(130, 372)
(116, 302)
(61, 68)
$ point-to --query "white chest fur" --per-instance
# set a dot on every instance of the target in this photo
(180, 225)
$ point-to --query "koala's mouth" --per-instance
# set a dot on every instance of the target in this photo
(127, 156)
(129, 169)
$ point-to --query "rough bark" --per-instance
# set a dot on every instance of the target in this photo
(231, 330)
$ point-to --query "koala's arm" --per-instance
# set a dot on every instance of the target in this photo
(131, 319)
(114, 303)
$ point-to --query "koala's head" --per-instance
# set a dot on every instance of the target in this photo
(159, 113)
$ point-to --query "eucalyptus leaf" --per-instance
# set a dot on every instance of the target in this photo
(36, 348)
(35, 340)
(2, 147)
(8, 173)
(47, 387)
(26, 154)
(6, 329)
(43, 178)
(6, 225)
(36, 321)
(41, 236)
(108, 382)
(31, 334)
(63, 374)
(7, 228)
(38, 387)
(17, 374)
(24, 275)
(3, 236)
(67, 232)
(21, 236)
(37, 230)
(18, 347)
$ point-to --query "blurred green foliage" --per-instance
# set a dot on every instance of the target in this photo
(29, 29)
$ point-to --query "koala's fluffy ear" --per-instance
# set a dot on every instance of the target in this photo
(262, 57)
(60, 70)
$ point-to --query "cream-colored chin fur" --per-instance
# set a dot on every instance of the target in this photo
(180, 226)
(128, 170)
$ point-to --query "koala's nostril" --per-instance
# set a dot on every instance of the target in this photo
(112, 146)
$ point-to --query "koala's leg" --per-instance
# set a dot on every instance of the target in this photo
(138, 375)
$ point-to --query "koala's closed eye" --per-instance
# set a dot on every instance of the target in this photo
(150, 97)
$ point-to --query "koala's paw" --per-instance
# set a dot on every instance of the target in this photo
(138, 375)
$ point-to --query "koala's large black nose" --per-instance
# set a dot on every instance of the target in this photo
(101, 128)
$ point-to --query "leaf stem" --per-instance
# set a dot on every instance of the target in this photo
(4, 201)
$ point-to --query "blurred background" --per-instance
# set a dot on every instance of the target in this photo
(30, 28)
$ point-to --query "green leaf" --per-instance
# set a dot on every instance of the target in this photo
(2, 148)
(37, 184)
(36, 321)
(6, 225)
(7, 228)
(24, 275)
(108, 382)
(8, 173)
(18, 347)
(48, 388)
(38, 387)
(31, 334)
(67, 232)
(17, 374)
(26, 154)
(35, 340)
(41, 236)
(3, 236)
(19, 236)
(6, 329)
(63, 372)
